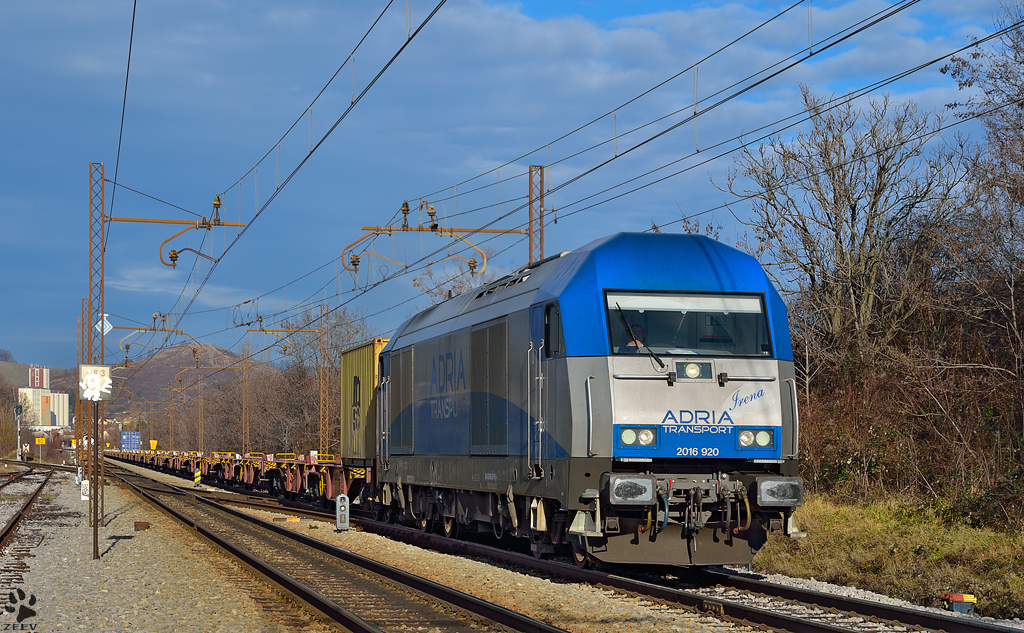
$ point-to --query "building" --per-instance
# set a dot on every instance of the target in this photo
(39, 377)
(43, 408)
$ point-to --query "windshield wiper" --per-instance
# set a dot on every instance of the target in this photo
(629, 332)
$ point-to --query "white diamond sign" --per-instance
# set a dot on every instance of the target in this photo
(94, 382)
(104, 325)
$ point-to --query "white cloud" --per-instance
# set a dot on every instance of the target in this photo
(214, 85)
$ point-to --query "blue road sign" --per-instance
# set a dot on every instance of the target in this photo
(131, 441)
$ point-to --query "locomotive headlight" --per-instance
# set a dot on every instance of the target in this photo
(694, 371)
(746, 438)
(646, 437)
(763, 438)
(628, 436)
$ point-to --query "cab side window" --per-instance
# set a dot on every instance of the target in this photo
(552, 331)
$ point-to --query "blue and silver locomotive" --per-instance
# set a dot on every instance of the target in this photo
(633, 400)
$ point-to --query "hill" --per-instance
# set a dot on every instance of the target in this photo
(145, 380)
(149, 375)
(60, 379)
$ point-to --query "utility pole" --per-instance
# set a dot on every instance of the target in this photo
(536, 213)
(325, 383)
(245, 401)
(199, 388)
(94, 325)
(17, 414)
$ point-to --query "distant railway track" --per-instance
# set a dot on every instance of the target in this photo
(734, 597)
(39, 465)
(377, 597)
(22, 510)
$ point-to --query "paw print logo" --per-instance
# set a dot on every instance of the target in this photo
(24, 612)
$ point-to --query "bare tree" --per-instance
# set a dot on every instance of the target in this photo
(842, 210)
(440, 284)
(988, 262)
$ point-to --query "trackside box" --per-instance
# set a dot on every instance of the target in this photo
(359, 402)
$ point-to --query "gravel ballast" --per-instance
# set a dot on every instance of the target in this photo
(572, 606)
(164, 578)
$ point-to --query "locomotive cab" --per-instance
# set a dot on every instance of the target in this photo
(703, 431)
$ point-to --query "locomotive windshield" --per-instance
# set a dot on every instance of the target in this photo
(687, 324)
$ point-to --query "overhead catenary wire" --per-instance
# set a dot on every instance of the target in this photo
(833, 40)
(124, 105)
(309, 108)
(202, 285)
(319, 143)
(602, 202)
(845, 33)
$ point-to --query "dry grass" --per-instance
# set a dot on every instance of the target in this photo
(902, 549)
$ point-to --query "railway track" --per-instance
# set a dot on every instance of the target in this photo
(39, 465)
(377, 597)
(22, 510)
(736, 598)
(23, 530)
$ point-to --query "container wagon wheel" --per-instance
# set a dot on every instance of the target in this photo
(450, 527)
(425, 524)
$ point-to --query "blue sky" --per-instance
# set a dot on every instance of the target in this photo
(214, 86)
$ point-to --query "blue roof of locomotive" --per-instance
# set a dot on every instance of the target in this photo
(625, 261)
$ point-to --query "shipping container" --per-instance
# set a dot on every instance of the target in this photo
(359, 402)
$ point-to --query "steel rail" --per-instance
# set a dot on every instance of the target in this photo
(38, 465)
(720, 606)
(464, 601)
(491, 611)
(313, 598)
(912, 617)
(15, 477)
(13, 523)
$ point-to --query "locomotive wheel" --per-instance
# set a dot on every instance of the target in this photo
(450, 527)
(580, 557)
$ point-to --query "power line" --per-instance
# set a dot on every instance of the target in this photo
(851, 30)
(283, 184)
(823, 45)
(154, 198)
(124, 105)
(348, 59)
(633, 190)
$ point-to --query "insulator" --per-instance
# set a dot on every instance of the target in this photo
(472, 265)
(405, 213)
(174, 257)
(216, 201)
(354, 261)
